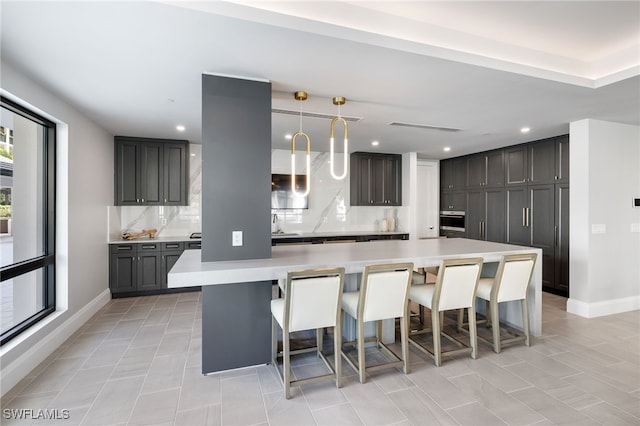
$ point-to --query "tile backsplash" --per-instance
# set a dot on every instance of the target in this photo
(329, 203)
(329, 207)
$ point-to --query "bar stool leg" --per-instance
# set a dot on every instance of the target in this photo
(337, 351)
(404, 338)
(525, 321)
(319, 340)
(361, 370)
(495, 327)
(473, 337)
(286, 364)
(435, 327)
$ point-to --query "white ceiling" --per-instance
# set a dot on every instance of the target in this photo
(485, 68)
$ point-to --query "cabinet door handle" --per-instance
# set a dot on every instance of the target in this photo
(524, 220)
(527, 216)
(165, 200)
(484, 231)
(555, 236)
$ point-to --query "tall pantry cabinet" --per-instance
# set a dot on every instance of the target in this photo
(520, 195)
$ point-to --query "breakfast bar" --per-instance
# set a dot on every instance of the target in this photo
(236, 318)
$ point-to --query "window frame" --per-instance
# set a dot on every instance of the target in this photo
(47, 261)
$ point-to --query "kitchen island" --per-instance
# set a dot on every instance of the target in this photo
(236, 294)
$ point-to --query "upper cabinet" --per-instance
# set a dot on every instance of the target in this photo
(485, 170)
(376, 179)
(453, 174)
(536, 163)
(151, 172)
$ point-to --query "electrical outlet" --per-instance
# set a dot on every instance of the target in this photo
(236, 238)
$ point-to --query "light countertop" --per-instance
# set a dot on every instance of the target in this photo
(190, 271)
(334, 234)
(155, 240)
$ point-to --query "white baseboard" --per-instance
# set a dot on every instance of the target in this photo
(52, 339)
(605, 307)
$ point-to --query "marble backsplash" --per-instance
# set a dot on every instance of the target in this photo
(329, 203)
(329, 208)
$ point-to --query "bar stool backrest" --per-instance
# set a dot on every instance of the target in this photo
(456, 283)
(513, 277)
(313, 299)
(384, 291)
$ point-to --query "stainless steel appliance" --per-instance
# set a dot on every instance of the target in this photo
(452, 221)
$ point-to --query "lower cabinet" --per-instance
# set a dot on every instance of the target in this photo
(485, 217)
(537, 216)
(142, 268)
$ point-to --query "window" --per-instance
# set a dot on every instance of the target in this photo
(27, 219)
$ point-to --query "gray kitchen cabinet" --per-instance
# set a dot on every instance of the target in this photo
(134, 267)
(141, 268)
(529, 185)
(453, 201)
(531, 221)
(516, 204)
(485, 170)
(562, 159)
(149, 265)
(485, 217)
(453, 174)
(516, 165)
(542, 162)
(561, 234)
(541, 223)
(176, 174)
(123, 274)
(376, 179)
(170, 254)
(150, 171)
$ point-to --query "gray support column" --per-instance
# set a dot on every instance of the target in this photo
(236, 196)
(236, 168)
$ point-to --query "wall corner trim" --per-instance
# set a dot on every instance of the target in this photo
(11, 374)
(603, 308)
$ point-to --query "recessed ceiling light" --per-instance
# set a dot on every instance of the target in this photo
(288, 136)
(525, 130)
(180, 128)
(446, 149)
(375, 143)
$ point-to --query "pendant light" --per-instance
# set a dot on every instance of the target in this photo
(300, 96)
(338, 100)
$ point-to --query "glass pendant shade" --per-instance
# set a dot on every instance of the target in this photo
(339, 100)
(300, 96)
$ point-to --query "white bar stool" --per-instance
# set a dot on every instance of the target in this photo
(510, 283)
(383, 295)
(455, 289)
(311, 300)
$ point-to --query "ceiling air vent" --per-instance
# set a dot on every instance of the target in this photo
(423, 126)
(314, 115)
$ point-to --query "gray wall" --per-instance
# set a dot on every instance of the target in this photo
(84, 187)
(236, 168)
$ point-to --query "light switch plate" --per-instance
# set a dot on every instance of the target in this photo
(635, 227)
(236, 238)
(598, 228)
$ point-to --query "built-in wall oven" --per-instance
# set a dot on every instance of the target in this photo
(452, 221)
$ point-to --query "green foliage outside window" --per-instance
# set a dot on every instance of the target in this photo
(6, 153)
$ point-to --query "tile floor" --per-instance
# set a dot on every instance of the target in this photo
(138, 362)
